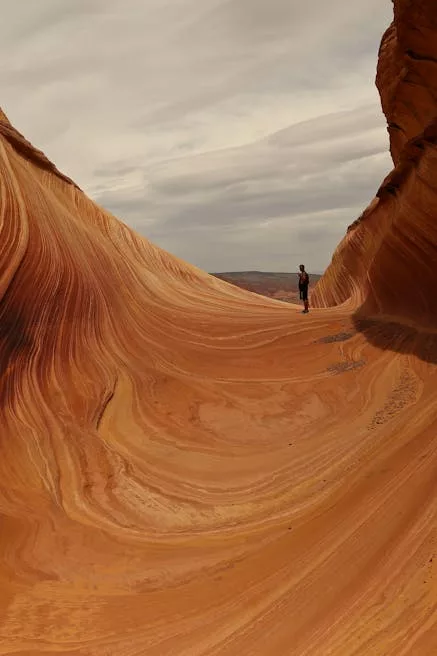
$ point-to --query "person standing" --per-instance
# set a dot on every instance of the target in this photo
(304, 281)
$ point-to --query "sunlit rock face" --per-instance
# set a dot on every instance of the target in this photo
(189, 469)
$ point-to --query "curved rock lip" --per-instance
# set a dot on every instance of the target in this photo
(27, 150)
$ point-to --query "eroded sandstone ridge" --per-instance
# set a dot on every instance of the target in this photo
(386, 265)
(188, 469)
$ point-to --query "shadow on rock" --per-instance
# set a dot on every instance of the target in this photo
(397, 337)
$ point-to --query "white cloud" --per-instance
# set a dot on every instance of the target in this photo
(215, 128)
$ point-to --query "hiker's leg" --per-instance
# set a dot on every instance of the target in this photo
(305, 300)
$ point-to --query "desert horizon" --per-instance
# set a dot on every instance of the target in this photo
(277, 285)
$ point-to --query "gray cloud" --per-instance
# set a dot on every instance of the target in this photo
(235, 133)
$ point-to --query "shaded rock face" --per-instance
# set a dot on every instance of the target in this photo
(386, 263)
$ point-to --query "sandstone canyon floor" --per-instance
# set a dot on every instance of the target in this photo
(188, 469)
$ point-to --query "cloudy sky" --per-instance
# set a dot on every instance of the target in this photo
(236, 134)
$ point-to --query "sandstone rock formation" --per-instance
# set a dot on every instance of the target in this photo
(189, 469)
(385, 266)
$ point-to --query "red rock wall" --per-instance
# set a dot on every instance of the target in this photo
(386, 264)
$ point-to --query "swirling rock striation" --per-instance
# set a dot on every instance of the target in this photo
(188, 468)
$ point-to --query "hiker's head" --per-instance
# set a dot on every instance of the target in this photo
(302, 267)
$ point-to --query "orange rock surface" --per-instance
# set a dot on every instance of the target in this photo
(188, 469)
